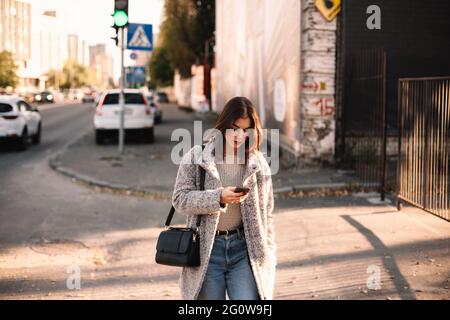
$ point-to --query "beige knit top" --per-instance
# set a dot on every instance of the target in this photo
(231, 175)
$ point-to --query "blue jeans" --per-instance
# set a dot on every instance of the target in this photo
(229, 271)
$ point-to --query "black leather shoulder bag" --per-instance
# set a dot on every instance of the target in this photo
(180, 247)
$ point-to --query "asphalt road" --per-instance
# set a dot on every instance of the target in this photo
(45, 215)
(25, 179)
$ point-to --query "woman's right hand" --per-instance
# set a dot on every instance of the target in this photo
(229, 196)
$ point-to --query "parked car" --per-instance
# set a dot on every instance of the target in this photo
(162, 97)
(156, 109)
(75, 94)
(138, 115)
(44, 97)
(19, 122)
(88, 98)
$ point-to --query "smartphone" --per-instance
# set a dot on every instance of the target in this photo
(241, 189)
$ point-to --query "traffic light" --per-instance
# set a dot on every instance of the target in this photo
(116, 38)
(120, 13)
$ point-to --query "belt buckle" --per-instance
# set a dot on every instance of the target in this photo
(219, 233)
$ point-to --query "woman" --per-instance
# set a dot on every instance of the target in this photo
(237, 247)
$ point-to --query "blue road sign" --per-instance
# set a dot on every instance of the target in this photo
(135, 77)
(140, 37)
(133, 56)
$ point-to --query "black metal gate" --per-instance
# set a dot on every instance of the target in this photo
(363, 119)
(424, 144)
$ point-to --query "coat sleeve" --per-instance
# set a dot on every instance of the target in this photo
(187, 198)
(270, 205)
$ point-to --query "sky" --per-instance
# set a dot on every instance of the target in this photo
(91, 19)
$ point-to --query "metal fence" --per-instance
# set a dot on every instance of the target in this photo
(424, 144)
(363, 136)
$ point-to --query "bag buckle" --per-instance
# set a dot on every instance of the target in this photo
(194, 236)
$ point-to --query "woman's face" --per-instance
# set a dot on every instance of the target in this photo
(237, 134)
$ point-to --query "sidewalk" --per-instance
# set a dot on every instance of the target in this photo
(356, 250)
(139, 170)
(327, 248)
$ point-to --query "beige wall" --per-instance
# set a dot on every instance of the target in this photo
(258, 56)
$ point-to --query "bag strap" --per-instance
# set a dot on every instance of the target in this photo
(202, 187)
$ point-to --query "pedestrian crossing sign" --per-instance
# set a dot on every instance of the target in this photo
(140, 37)
(329, 8)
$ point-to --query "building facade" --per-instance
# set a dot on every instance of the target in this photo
(38, 42)
(15, 34)
(300, 69)
(102, 63)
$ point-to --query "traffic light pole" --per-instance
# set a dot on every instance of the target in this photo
(122, 93)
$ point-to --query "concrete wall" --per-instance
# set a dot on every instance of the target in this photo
(317, 104)
(182, 90)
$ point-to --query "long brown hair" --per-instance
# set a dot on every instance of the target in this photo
(240, 107)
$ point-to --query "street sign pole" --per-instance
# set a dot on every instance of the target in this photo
(122, 94)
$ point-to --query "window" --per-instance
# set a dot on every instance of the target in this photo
(134, 98)
(4, 107)
(130, 98)
(23, 106)
(112, 98)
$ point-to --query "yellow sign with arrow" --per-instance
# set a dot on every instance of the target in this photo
(329, 8)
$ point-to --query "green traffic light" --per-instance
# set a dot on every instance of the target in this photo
(120, 18)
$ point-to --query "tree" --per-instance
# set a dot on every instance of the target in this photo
(8, 76)
(161, 70)
(54, 78)
(73, 75)
(176, 35)
(204, 26)
(187, 27)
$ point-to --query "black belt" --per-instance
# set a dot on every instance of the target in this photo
(228, 232)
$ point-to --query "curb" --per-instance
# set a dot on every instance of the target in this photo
(305, 190)
(312, 187)
(105, 186)
(298, 190)
(322, 190)
(54, 164)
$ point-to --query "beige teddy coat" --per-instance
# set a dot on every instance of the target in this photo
(256, 212)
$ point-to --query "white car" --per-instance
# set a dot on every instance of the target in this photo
(138, 116)
(19, 121)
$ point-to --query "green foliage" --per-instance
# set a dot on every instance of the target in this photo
(73, 75)
(187, 26)
(203, 27)
(8, 69)
(161, 71)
